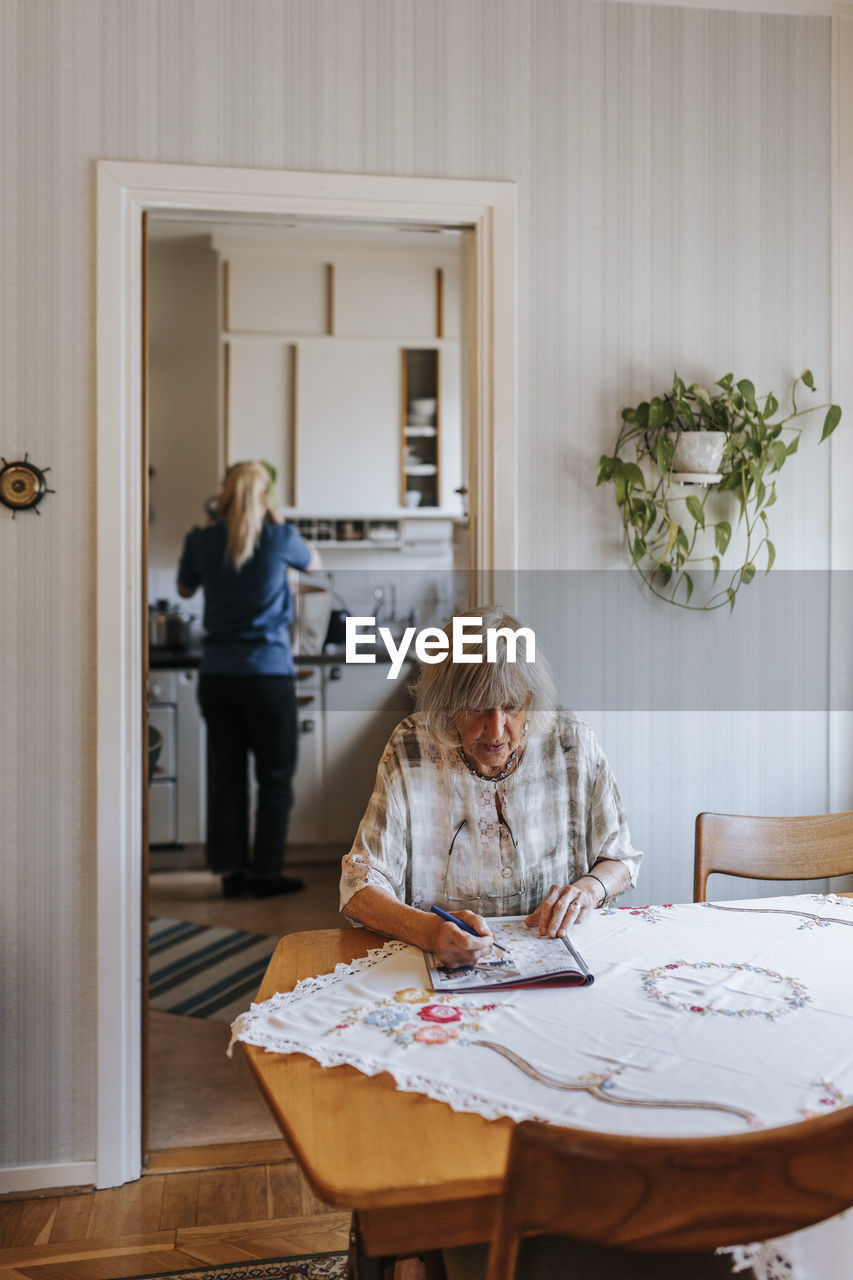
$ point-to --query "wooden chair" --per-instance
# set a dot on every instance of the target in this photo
(634, 1206)
(808, 848)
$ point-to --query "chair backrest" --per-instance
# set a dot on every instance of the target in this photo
(807, 848)
(666, 1195)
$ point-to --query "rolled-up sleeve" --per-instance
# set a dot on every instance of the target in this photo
(608, 834)
(379, 856)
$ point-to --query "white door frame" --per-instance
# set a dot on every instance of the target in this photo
(840, 722)
(125, 192)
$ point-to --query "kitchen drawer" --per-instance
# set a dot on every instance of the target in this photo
(162, 812)
(308, 678)
(162, 686)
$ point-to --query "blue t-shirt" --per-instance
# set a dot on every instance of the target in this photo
(247, 610)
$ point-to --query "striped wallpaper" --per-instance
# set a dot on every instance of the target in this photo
(673, 178)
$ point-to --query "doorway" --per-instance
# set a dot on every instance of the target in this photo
(126, 192)
(292, 340)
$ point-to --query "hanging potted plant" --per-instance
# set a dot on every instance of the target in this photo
(725, 441)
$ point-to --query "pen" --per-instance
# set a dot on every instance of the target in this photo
(462, 924)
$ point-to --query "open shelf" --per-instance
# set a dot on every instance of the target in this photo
(420, 424)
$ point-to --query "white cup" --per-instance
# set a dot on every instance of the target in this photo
(412, 498)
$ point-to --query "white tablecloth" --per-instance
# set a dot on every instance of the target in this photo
(703, 1018)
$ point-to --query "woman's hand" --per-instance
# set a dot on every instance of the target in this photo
(455, 948)
(563, 906)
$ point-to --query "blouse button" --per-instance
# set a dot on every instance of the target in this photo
(507, 873)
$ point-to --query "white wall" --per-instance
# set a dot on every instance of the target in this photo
(183, 400)
(673, 176)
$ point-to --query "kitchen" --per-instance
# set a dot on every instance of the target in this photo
(338, 353)
(306, 370)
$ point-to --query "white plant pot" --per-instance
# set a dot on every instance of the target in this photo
(698, 452)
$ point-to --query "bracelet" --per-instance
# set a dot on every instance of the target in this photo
(590, 875)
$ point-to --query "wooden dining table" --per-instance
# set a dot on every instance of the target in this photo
(417, 1175)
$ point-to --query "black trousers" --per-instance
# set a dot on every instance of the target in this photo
(257, 715)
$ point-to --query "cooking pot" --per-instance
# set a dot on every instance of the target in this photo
(167, 627)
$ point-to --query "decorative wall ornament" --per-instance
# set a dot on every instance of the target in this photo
(667, 527)
(22, 485)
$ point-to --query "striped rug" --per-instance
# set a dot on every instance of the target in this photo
(316, 1266)
(204, 972)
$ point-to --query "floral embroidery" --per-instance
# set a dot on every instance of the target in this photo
(796, 998)
(601, 1079)
(440, 1013)
(386, 1017)
(830, 1097)
(400, 1018)
(650, 914)
(435, 1035)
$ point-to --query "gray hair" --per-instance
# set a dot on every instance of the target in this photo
(447, 690)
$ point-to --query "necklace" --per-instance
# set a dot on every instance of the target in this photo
(508, 768)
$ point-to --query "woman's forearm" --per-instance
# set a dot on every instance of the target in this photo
(386, 914)
(448, 943)
(613, 874)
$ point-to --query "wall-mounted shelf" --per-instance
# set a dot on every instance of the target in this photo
(349, 533)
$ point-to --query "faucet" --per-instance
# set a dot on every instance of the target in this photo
(385, 603)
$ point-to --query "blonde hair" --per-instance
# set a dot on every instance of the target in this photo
(243, 505)
(447, 690)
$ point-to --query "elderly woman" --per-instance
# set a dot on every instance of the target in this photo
(489, 800)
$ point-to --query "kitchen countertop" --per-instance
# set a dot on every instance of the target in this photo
(190, 658)
(173, 659)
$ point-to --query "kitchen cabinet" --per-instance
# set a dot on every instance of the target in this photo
(362, 708)
(307, 820)
(346, 714)
(347, 405)
(431, 427)
(421, 427)
(268, 292)
(313, 382)
(385, 296)
(259, 406)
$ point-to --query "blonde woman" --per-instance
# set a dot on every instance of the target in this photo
(246, 683)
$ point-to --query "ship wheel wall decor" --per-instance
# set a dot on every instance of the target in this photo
(22, 485)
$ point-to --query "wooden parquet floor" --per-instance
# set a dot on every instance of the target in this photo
(176, 1216)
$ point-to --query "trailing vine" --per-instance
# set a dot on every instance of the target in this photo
(662, 521)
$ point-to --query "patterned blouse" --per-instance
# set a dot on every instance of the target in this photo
(432, 832)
